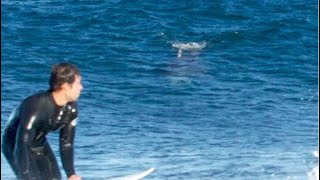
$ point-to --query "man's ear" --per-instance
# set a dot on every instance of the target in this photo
(64, 86)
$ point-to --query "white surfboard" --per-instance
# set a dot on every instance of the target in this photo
(136, 176)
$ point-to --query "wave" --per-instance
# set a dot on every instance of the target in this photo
(191, 46)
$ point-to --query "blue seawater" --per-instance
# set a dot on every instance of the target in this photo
(245, 106)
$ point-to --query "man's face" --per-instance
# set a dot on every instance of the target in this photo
(73, 90)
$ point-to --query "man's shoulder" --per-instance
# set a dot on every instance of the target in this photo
(37, 97)
(73, 109)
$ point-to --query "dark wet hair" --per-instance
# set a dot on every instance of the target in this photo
(62, 73)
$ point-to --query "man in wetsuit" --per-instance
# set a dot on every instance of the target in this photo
(24, 139)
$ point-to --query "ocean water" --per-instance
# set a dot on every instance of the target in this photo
(196, 89)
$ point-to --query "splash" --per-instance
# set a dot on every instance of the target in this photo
(314, 174)
(191, 46)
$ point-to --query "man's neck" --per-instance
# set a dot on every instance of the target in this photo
(59, 98)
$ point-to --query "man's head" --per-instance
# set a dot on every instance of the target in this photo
(66, 77)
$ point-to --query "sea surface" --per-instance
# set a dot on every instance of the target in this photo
(197, 89)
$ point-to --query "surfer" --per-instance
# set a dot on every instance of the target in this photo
(24, 139)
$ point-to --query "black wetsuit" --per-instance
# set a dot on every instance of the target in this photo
(24, 139)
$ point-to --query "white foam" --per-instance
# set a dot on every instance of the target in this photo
(191, 46)
(316, 154)
(314, 173)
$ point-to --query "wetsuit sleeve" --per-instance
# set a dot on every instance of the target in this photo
(25, 135)
(67, 134)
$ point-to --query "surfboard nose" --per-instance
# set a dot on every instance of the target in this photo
(136, 176)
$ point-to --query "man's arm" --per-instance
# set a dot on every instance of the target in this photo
(66, 148)
(26, 133)
(67, 134)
